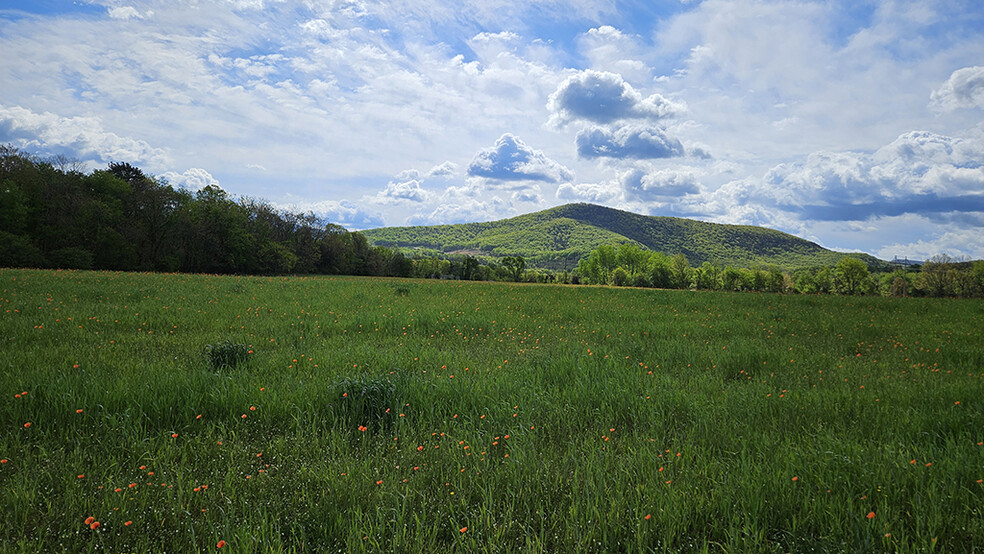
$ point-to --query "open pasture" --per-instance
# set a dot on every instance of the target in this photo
(420, 416)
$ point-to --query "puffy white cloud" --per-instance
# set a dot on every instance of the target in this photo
(659, 185)
(603, 97)
(407, 190)
(80, 136)
(511, 159)
(193, 179)
(344, 212)
(446, 169)
(597, 193)
(918, 173)
(632, 142)
(456, 208)
(955, 242)
(529, 195)
(964, 89)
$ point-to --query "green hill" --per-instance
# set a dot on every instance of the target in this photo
(560, 236)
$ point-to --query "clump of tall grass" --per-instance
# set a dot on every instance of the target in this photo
(226, 354)
(366, 402)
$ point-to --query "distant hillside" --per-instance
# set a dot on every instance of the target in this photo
(560, 236)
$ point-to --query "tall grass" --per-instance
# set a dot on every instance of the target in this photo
(412, 416)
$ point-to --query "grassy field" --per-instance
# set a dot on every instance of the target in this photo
(425, 416)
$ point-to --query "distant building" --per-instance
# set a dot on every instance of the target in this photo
(904, 262)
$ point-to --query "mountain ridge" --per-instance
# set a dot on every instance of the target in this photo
(558, 237)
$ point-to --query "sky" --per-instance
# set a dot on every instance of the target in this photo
(855, 124)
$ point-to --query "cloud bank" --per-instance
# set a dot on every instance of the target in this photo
(630, 142)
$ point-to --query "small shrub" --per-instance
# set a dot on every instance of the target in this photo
(226, 354)
(371, 402)
(402, 291)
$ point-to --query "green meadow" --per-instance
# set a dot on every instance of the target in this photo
(289, 414)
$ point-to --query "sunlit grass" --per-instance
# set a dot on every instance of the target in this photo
(380, 414)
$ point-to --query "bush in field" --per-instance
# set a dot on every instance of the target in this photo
(366, 403)
(226, 354)
(620, 277)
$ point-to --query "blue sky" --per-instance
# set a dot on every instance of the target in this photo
(859, 125)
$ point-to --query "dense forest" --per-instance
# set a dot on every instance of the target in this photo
(54, 215)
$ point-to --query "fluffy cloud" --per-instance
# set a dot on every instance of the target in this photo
(79, 136)
(460, 209)
(597, 193)
(602, 97)
(529, 195)
(510, 159)
(918, 173)
(659, 185)
(193, 179)
(343, 213)
(964, 89)
(631, 142)
(960, 242)
(407, 190)
(446, 169)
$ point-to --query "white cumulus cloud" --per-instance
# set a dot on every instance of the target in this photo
(603, 97)
(511, 159)
(193, 179)
(81, 136)
(632, 142)
(964, 89)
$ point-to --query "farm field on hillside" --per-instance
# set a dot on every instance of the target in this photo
(292, 414)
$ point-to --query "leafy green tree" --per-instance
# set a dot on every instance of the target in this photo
(514, 265)
(599, 264)
(706, 276)
(823, 279)
(977, 277)
(680, 270)
(620, 277)
(938, 275)
(731, 279)
(850, 276)
(631, 257)
(804, 283)
(660, 271)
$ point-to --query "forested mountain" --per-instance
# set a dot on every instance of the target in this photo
(559, 237)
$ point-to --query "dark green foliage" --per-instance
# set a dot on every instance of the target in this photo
(226, 355)
(366, 403)
(122, 219)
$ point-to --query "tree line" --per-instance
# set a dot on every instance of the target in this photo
(54, 215)
(629, 265)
